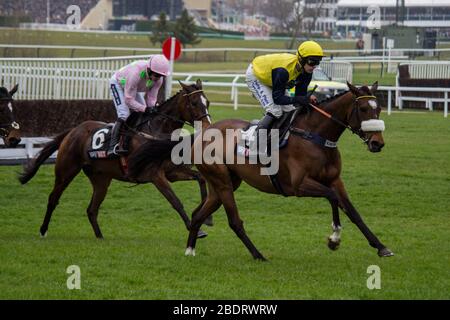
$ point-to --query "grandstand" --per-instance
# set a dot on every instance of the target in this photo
(147, 8)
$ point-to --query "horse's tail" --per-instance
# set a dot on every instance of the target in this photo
(33, 165)
(152, 153)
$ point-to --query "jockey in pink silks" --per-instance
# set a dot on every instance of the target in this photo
(127, 84)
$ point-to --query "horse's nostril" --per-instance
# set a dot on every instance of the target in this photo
(376, 146)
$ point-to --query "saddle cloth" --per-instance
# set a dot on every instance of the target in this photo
(100, 143)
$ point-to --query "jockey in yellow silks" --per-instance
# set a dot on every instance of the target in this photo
(269, 76)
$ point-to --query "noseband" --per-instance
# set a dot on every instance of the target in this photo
(5, 128)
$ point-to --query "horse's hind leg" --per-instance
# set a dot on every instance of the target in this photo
(63, 176)
(221, 181)
(211, 205)
(312, 188)
(100, 184)
(205, 211)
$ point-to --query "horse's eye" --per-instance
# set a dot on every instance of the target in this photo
(364, 109)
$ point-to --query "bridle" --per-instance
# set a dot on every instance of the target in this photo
(5, 127)
(190, 105)
(182, 122)
(359, 132)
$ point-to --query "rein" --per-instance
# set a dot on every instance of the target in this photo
(182, 122)
(347, 126)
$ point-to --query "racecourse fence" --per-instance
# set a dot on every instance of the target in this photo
(88, 78)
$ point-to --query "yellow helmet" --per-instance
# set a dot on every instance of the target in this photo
(308, 49)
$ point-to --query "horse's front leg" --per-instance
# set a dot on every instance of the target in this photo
(352, 213)
(162, 184)
(184, 173)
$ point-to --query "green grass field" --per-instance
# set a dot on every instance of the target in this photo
(402, 193)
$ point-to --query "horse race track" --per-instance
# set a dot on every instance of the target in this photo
(403, 193)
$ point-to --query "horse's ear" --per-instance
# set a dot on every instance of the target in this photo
(352, 88)
(374, 87)
(185, 87)
(14, 90)
(199, 83)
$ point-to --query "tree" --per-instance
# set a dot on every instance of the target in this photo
(161, 30)
(185, 30)
(281, 10)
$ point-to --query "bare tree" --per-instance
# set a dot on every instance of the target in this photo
(281, 10)
(313, 12)
(296, 25)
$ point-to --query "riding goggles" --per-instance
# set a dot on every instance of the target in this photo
(313, 61)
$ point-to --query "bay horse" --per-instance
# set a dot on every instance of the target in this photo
(185, 107)
(9, 128)
(309, 165)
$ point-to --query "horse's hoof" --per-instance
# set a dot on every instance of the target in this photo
(333, 245)
(43, 235)
(385, 252)
(259, 257)
(189, 252)
(201, 234)
(209, 221)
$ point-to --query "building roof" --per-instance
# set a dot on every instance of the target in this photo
(392, 3)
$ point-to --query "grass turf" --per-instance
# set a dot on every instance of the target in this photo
(402, 193)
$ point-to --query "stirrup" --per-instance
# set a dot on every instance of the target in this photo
(118, 151)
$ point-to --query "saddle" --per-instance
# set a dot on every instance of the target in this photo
(101, 137)
(282, 124)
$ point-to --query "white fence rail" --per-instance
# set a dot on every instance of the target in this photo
(88, 78)
(26, 149)
(394, 51)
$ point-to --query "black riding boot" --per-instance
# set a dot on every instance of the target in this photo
(264, 123)
(114, 147)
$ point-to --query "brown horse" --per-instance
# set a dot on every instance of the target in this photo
(186, 106)
(9, 128)
(309, 166)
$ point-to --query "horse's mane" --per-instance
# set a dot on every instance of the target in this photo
(175, 95)
(329, 99)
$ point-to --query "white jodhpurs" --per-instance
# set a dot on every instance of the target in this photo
(263, 94)
(123, 112)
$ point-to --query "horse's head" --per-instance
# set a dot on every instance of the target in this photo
(196, 106)
(364, 116)
(9, 128)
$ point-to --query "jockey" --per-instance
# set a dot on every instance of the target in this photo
(269, 76)
(126, 85)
